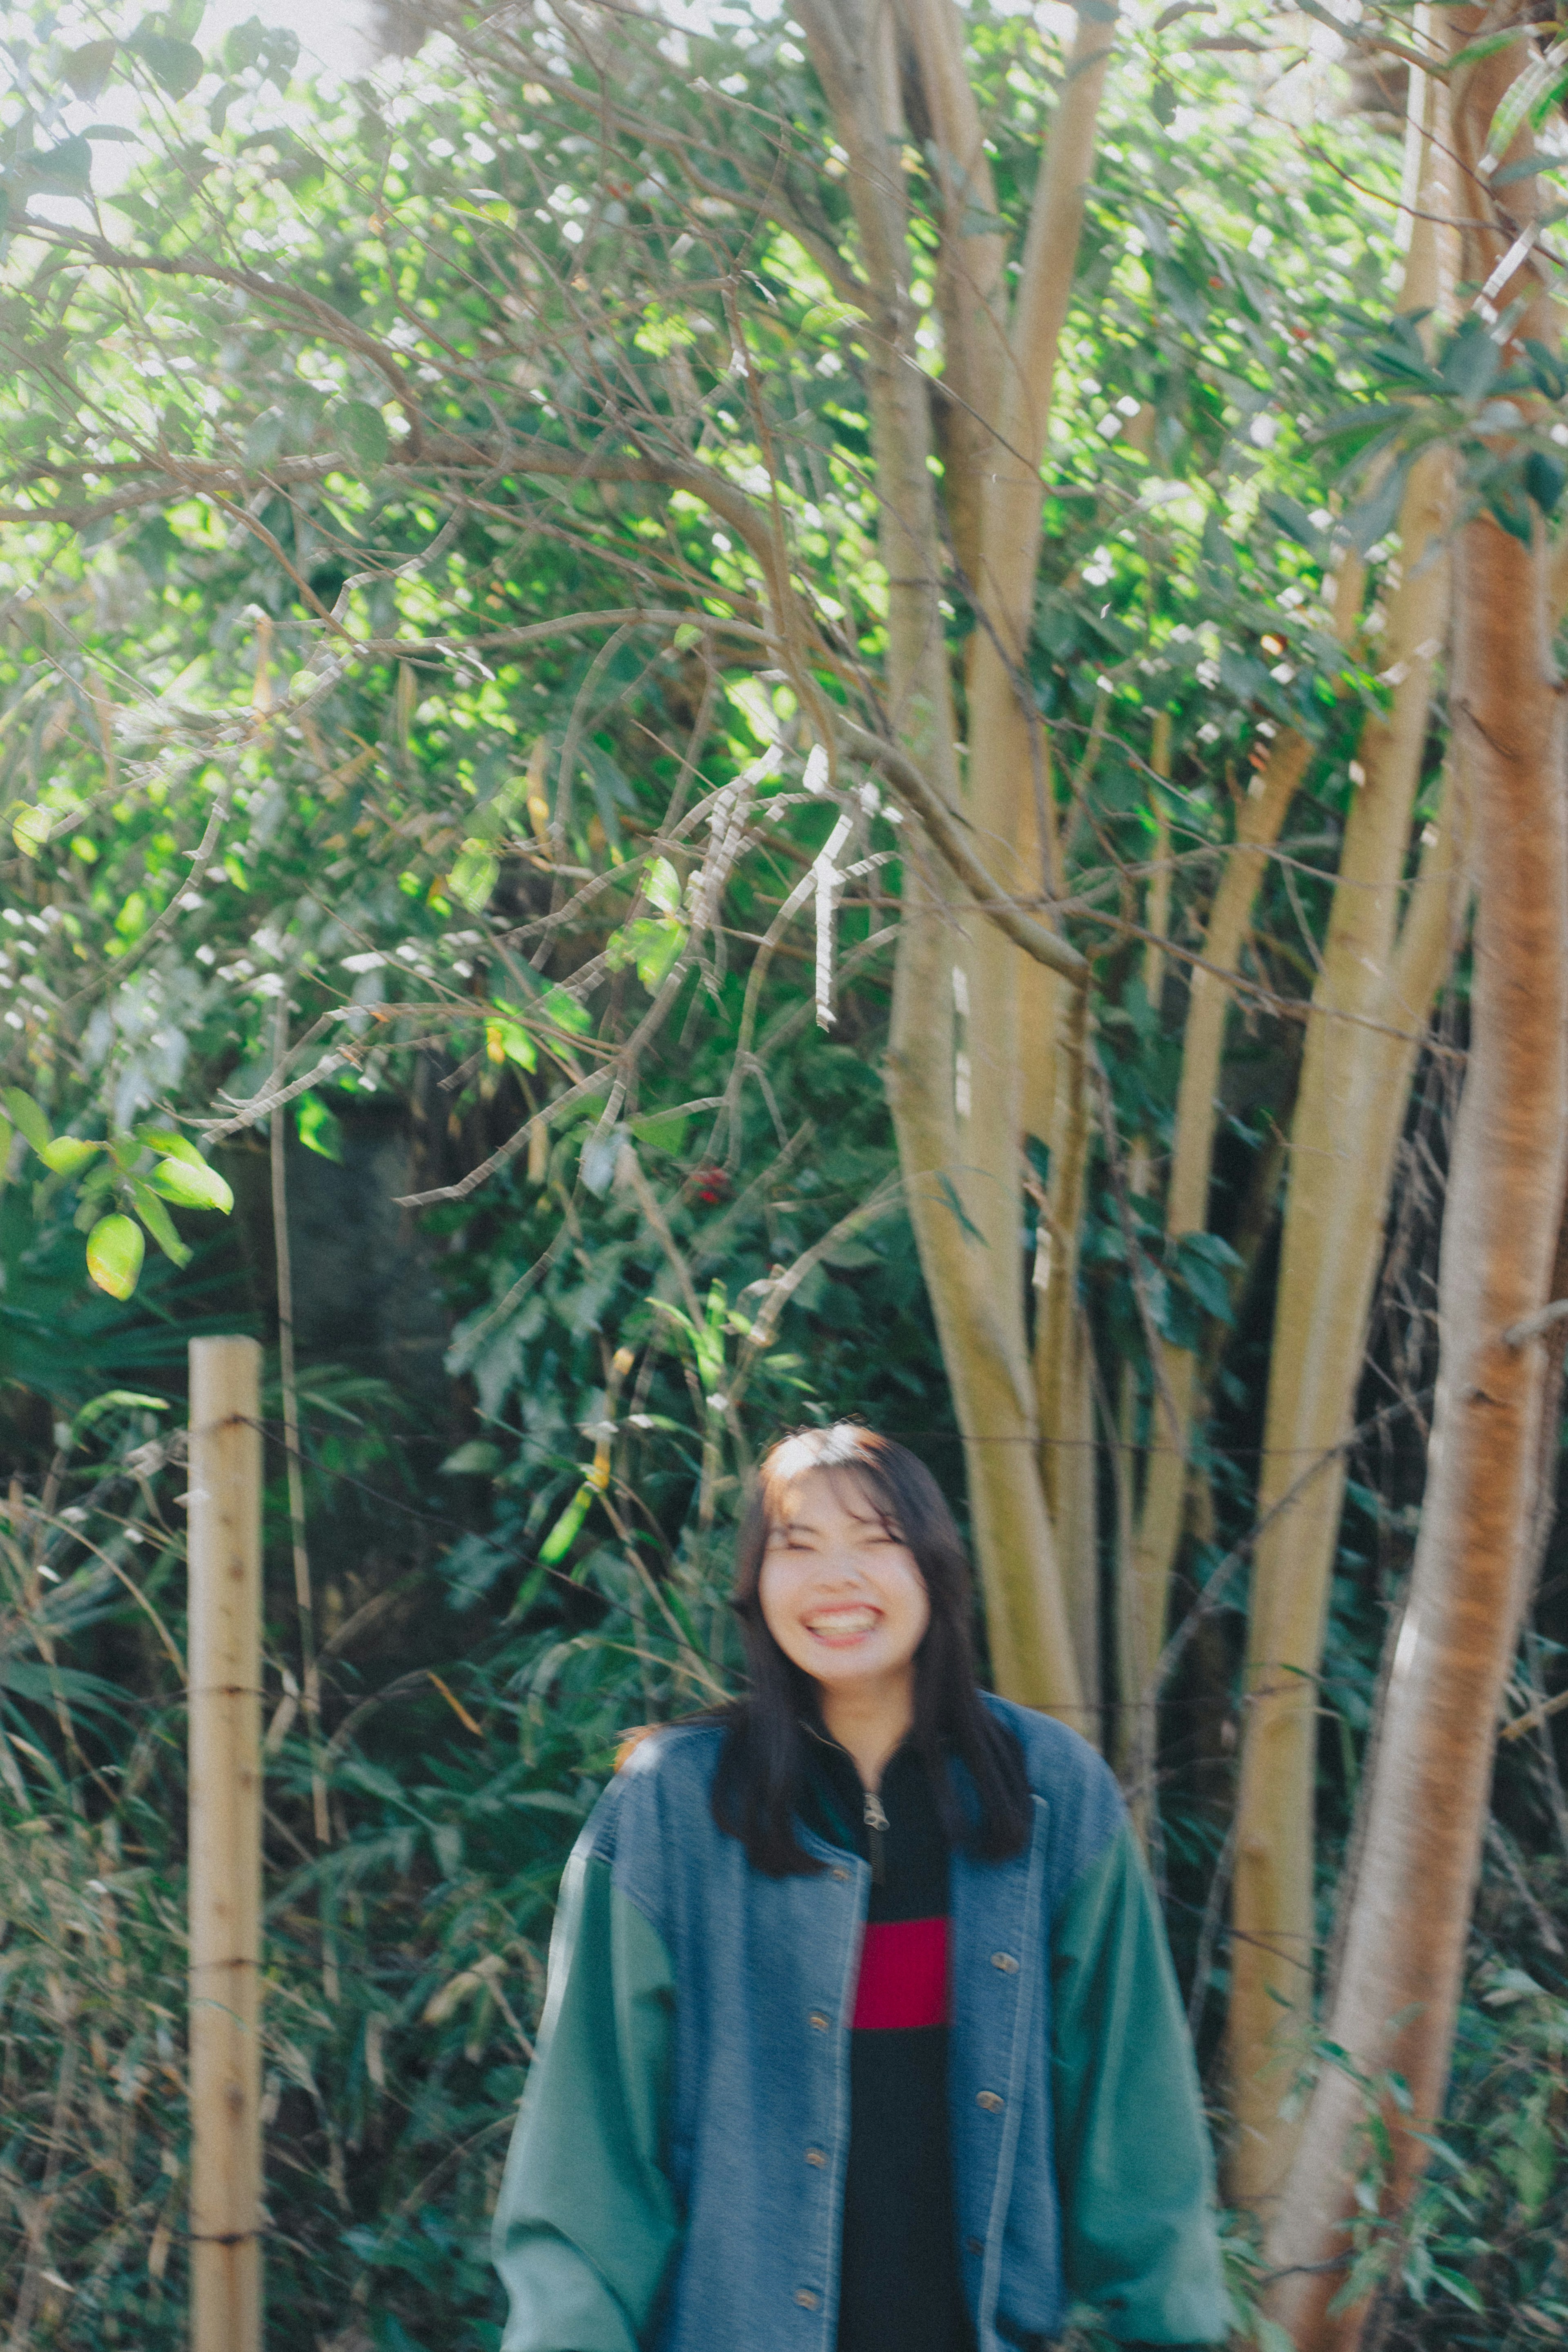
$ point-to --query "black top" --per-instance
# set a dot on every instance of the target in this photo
(899, 2288)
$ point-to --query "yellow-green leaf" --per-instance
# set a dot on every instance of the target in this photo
(662, 885)
(562, 1536)
(506, 1042)
(30, 829)
(159, 1223)
(28, 1119)
(170, 1144)
(67, 1153)
(320, 1129)
(114, 1254)
(473, 876)
(664, 1130)
(565, 1011)
(191, 1185)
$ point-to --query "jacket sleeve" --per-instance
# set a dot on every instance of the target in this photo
(1132, 2151)
(586, 2221)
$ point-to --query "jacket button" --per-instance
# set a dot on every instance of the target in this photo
(815, 2155)
(973, 2245)
(841, 1874)
(818, 2021)
(806, 2299)
(1005, 1962)
(991, 2102)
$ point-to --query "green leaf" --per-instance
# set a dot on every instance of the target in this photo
(710, 1338)
(949, 1192)
(30, 829)
(1487, 46)
(1373, 517)
(1470, 362)
(1544, 476)
(651, 943)
(280, 48)
(243, 46)
(508, 1041)
(319, 1130)
(169, 1143)
(28, 1119)
(191, 1186)
(1459, 2288)
(132, 1398)
(114, 1254)
(562, 1536)
(565, 1011)
(362, 430)
(662, 1130)
(1525, 169)
(1203, 1264)
(88, 69)
(1547, 371)
(475, 871)
(656, 950)
(64, 170)
(6, 1133)
(1353, 431)
(67, 1153)
(175, 66)
(159, 1223)
(477, 1459)
(1293, 520)
(264, 437)
(851, 1255)
(1509, 507)
(1522, 97)
(662, 885)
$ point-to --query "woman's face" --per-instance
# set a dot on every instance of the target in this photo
(840, 1592)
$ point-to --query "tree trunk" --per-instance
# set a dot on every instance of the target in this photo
(1427, 1799)
(1425, 1795)
(956, 1078)
(1145, 1604)
(1349, 1116)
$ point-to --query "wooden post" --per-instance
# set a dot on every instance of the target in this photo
(225, 1615)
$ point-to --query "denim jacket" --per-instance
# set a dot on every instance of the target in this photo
(676, 2177)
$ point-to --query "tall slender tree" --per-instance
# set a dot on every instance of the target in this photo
(1385, 951)
(1407, 1904)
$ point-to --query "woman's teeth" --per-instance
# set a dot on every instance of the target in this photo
(842, 1621)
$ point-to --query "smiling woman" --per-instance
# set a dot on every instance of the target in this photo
(841, 1594)
(862, 2034)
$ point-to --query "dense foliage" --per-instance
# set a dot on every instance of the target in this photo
(366, 772)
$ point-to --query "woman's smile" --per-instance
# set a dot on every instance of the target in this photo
(842, 1627)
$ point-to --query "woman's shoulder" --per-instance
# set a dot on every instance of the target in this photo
(670, 1748)
(657, 1803)
(1061, 1766)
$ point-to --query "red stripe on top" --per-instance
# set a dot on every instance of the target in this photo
(903, 1975)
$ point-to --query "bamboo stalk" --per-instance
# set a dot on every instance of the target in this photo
(304, 1603)
(226, 1844)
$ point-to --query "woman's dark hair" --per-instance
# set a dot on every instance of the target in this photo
(761, 1784)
